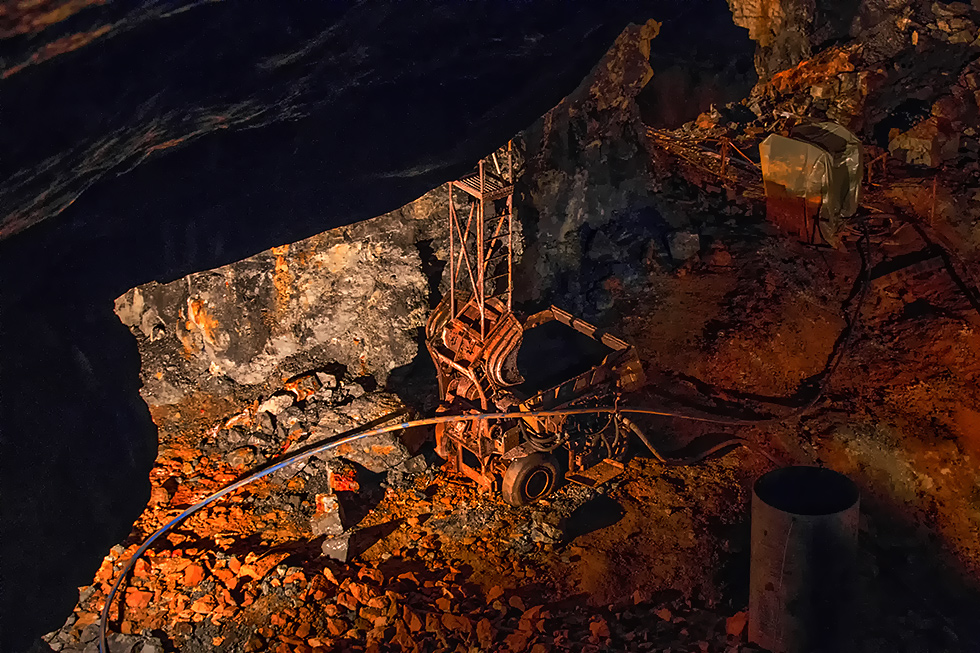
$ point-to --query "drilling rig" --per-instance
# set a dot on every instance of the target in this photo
(475, 339)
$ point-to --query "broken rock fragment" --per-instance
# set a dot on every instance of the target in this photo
(265, 423)
(684, 246)
(336, 547)
(276, 404)
(244, 457)
(342, 476)
(735, 625)
(929, 143)
(229, 439)
(355, 390)
(328, 519)
(290, 418)
(547, 527)
(328, 381)
(303, 386)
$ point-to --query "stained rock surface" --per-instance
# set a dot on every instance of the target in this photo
(353, 296)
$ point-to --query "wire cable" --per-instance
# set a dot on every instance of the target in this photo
(359, 435)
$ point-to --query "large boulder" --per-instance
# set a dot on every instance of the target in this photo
(929, 143)
(353, 296)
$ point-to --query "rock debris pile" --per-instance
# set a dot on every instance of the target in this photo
(263, 570)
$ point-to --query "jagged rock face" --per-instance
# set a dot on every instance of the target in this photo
(700, 58)
(779, 27)
(354, 296)
(790, 31)
(900, 63)
(591, 201)
(571, 151)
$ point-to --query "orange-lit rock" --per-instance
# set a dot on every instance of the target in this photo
(258, 568)
(193, 575)
(929, 143)
(599, 628)
(375, 575)
(517, 641)
(303, 386)
(412, 620)
(137, 599)
(457, 623)
(485, 632)
(203, 605)
(337, 627)
(226, 576)
(735, 625)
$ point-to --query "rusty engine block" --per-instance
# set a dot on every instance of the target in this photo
(524, 459)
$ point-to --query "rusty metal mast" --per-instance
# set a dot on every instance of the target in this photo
(481, 259)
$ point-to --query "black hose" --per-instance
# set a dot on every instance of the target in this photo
(698, 450)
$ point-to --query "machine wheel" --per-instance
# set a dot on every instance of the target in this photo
(530, 478)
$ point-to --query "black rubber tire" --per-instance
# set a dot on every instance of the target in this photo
(530, 478)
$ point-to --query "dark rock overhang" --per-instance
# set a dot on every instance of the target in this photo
(202, 136)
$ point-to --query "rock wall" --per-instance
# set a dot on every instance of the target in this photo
(898, 64)
(599, 214)
(354, 296)
(700, 58)
(779, 28)
(582, 165)
(790, 31)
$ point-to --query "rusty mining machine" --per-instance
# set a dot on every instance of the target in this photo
(483, 351)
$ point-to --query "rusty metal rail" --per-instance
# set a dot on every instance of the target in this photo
(741, 171)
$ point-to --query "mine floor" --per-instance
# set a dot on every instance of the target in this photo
(656, 560)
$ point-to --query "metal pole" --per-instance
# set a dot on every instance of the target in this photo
(463, 254)
(452, 258)
(510, 251)
(510, 226)
(724, 156)
(464, 238)
(481, 216)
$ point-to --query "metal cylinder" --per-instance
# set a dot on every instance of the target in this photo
(804, 554)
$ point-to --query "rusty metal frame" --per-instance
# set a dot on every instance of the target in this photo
(473, 337)
(474, 247)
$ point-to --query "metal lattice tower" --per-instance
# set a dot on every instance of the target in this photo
(481, 258)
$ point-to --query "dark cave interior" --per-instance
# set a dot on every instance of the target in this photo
(224, 229)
